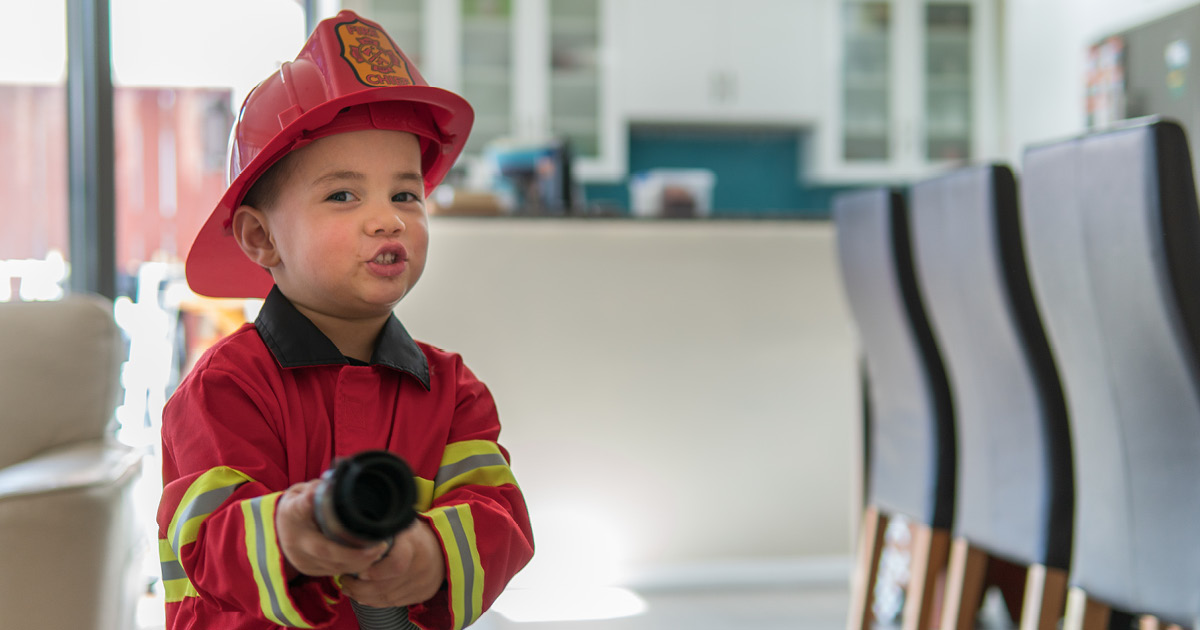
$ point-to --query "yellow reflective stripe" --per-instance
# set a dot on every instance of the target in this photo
(206, 494)
(176, 585)
(472, 462)
(456, 527)
(266, 563)
(424, 493)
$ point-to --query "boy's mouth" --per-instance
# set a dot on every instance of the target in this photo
(389, 261)
(390, 255)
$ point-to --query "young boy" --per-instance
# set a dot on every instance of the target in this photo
(331, 160)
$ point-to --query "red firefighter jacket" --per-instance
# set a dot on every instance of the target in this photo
(274, 404)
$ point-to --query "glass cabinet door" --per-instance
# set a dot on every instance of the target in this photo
(947, 62)
(487, 68)
(866, 81)
(575, 77)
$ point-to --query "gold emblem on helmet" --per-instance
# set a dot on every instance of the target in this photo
(372, 54)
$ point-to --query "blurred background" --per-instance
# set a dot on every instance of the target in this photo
(634, 251)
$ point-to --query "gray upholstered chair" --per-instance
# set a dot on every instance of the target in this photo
(1114, 251)
(71, 552)
(910, 425)
(1014, 492)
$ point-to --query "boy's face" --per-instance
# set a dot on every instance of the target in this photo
(349, 224)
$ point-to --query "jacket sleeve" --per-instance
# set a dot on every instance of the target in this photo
(478, 512)
(223, 472)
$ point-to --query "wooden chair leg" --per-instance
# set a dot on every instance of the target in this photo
(930, 548)
(964, 586)
(1085, 613)
(866, 568)
(1009, 579)
(1045, 598)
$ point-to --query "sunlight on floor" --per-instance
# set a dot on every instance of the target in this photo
(567, 604)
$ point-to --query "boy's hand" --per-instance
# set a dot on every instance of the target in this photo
(305, 548)
(411, 574)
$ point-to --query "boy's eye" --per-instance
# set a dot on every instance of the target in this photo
(405, 197)
(340, 195)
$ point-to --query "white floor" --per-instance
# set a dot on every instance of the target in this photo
(797, 607)
(771, 608)
(762, 609)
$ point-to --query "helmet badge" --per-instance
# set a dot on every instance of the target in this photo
(372, 55)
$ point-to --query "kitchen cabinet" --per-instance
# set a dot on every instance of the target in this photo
(914, 93)
(579, 103)
(532, 69)
(709, 61)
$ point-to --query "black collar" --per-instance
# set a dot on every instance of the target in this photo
(297, 342)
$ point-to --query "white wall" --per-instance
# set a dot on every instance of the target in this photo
(1046, 43)
(686, 388)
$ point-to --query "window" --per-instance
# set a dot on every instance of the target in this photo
(33, 148)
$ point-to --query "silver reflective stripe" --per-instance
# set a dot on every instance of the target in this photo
(260, 541)
(172, 570)
(474, 462)
(468, 566)
(371, 618)
(202, 505)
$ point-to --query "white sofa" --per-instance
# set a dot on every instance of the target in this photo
(71, 549)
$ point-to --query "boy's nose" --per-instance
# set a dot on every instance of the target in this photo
(385, 222)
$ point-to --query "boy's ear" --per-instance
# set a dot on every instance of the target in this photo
(253, 235)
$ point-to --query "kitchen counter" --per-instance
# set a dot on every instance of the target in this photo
(725, 216)
(693, 381)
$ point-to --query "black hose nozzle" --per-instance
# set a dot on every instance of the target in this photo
(365, 499)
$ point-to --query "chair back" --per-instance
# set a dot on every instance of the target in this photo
(1134, 364)
(1053, 221)
(1014, 490)
(77, 342)
(910, 463)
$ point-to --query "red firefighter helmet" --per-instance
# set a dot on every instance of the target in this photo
(350, 75)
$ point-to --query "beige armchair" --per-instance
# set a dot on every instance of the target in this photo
(71, 551)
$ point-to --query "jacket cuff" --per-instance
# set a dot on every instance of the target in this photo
(460, 602)
(294, 603)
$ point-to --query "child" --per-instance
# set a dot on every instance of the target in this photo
(331, 160)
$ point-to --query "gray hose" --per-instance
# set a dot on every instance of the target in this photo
(371, 618)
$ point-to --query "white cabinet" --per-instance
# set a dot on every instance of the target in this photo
(531, 69)
(579, 101)
(914, 92)
(710, 61)
(892, 89)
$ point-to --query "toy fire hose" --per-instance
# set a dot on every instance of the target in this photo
(362, 501)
